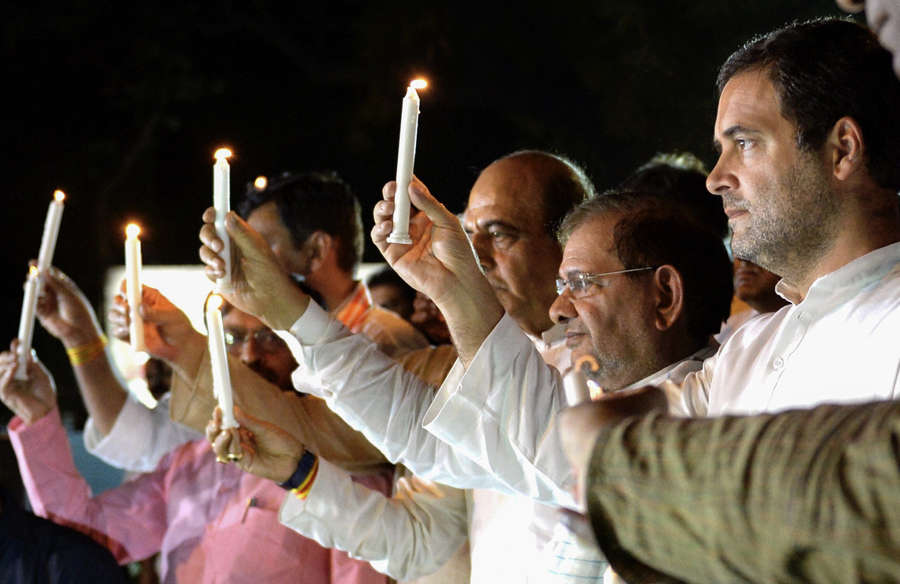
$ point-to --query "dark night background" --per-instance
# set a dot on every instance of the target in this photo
(122, 105)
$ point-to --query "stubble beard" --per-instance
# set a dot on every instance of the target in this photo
(792, 225)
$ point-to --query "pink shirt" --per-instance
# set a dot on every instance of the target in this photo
(211, 522)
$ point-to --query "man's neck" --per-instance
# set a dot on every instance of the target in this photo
(334, 288)
(535, 326)
(849, 246)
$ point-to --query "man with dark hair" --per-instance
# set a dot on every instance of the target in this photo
(811, 197)
(653, 231)
(818, 72)
(291, 209)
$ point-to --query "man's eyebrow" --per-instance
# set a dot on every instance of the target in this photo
(498, 223)
(730, 132)
(738, 129)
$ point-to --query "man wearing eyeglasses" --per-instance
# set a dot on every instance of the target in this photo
(258, 347)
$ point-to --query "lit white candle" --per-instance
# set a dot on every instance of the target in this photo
(406, 158)
(26, 321)
(222, 203)
(133, 263)
(218, 358)
(51, 231)
(575, 387)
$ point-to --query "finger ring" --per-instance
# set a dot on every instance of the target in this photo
(234, 457)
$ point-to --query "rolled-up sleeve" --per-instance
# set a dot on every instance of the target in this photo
(139, 438)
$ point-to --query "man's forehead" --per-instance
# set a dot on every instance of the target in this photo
(748, 102)
(506, 191)
(590, 247)
(236, 318)
(486, 209)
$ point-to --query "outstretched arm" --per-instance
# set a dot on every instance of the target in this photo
(129, 520)
(799, 495)
(65, 313)
(120, 430)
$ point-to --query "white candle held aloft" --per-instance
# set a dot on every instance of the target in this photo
(222, 203)
(51, 231)
(218, 358)
(406, 158)
(133, 285)
(575, 387)
(26, 321)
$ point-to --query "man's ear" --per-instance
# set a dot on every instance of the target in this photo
(845, 142)
(669, 288)
(319, 246)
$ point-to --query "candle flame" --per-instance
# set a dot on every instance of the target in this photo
(222, 153)
(260, 183)
(132, 230)
(418, 83)
(59, 195)
(215, 302)
(32, 271)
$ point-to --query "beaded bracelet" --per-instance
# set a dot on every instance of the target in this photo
(86, 353)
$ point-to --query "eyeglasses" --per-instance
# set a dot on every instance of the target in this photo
(265, 339)
(580, 283)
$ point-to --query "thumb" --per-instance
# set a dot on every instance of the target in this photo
(425, 201)
(249, 422)
(156, 308)
(276, 437)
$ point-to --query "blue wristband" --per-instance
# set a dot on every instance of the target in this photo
(303, 469)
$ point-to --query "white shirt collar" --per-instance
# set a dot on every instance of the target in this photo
(846, 280)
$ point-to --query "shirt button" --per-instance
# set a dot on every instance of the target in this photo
(778, 363)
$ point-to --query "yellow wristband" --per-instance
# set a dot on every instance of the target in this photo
(302, 491)
(86, 353)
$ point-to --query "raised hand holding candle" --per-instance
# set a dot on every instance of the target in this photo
(133, 286)
(26, 321)
(218, 358)
(51, 231)
(33, 284)
(406, 158)
(222, 203)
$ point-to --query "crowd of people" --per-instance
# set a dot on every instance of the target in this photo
(439, 438)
